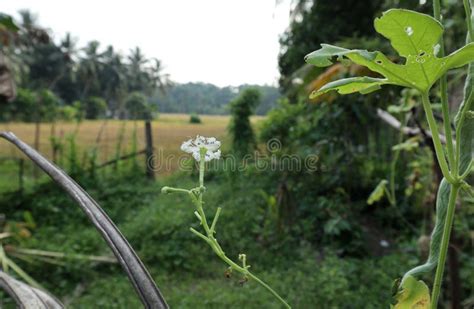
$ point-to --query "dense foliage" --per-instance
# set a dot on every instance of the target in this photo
(156, 225)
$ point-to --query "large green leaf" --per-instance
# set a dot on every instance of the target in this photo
(409, 32)
(415, 37)
(413, 294)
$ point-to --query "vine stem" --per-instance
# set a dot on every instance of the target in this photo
(266, 286)
(455, 164)
(436, 140)
(212, 241)
(444, 245)
(444, 95)
(469, 97)
(245, 271)
(467, 9)
(460, 124)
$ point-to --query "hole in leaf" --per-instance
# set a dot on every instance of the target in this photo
(422, 53)
(420, 60)
(378, 61)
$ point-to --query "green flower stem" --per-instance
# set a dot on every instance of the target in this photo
(173, 190)
(214, 222)
(444, 94)
(444, 245)
(208, 237)
(436, 140)
(243, 270)
(266, 286)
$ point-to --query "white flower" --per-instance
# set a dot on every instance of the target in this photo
(211, 144)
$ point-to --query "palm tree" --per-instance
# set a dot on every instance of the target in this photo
(89, 67)
(42, 59)
(113, 79)
(8, 30)
(68, 47)
(157, 78)
(137, 76)
(66, 54)
(30, 33)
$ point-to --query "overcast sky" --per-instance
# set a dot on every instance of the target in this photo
(224, 42)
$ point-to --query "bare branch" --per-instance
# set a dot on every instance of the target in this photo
(393, 122)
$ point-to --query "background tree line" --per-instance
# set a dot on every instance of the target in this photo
(59, 80)
(62, 80)
(205, 98)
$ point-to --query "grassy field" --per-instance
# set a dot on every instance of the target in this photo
(169, 131)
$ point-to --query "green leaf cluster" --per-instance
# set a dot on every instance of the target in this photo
(415, 37)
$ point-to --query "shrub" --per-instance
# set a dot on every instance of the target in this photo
(95, 108)
(240, 129)
(68, 113)
(194, 118)
(139, 107)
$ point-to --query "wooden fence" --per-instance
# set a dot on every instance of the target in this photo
(25, 170)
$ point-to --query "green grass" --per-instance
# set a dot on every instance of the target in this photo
(185, 269)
